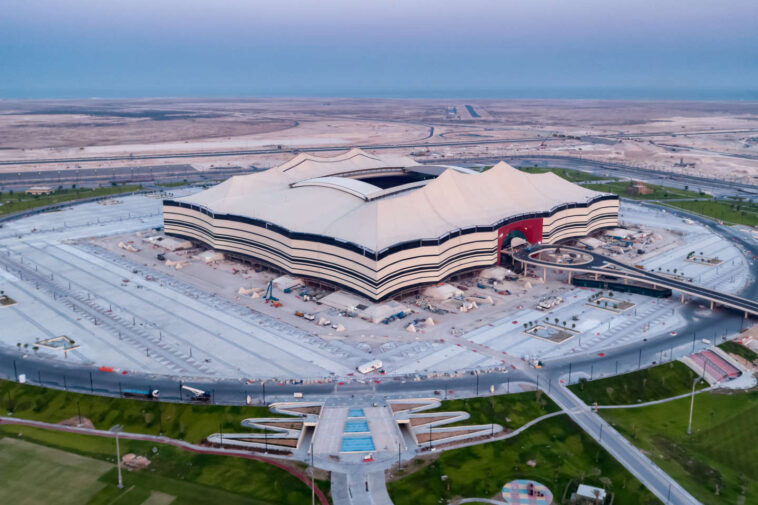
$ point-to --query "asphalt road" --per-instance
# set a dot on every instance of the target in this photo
(245, 152)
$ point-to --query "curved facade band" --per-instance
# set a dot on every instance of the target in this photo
(379, 274)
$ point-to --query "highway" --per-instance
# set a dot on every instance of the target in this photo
(246, 152)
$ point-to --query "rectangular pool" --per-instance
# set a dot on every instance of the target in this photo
(357, 444)
(355, 413)
(356, 427)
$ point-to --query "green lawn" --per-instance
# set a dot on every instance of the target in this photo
(623, 188)
(11, 202)
(182, 421)
(722, 453)
(174, 184)
(520, 408)
(565, 173)
(646, 385)
(564, 456)
(33, 474)
(727, 212)
(739, 350)
(193, 478)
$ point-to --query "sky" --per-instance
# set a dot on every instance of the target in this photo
(662, 49)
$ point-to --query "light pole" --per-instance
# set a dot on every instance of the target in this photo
(118, 464)
(692, 405)
(313, 476)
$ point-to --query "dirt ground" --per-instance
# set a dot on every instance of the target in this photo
(698, 138)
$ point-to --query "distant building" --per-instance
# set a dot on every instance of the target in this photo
(639, 188)
(589, 495)
(378, 225)
(39, 190)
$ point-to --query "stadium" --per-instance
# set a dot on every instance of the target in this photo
(378, 225)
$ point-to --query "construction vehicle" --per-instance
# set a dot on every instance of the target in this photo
(269, 296)
(197, 395)
(292, 288)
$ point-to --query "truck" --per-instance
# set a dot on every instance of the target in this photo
(369, 367)
(148, 394)
(196, 394)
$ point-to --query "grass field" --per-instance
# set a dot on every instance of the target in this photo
(565, 173)
(719, 463)
(174, 184)
(520, 408)
(739, 350)
(182, 421)
(649, 384)
(727, 212)
(563, 453)
(11, 202)
(194, 479)
(34, 474)
(623, 188)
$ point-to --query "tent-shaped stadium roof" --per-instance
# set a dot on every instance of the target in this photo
(312, 194)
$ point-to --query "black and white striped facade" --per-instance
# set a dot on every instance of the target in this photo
(386, 265)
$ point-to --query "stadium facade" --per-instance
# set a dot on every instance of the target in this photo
(378, 225)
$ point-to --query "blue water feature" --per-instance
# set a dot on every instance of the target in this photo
(357, 444)
(356, 427)
(355, 413)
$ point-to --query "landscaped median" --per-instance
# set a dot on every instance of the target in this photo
(11, 202)
(730, 212)
(191, 423)
(646, 385)
(652, 192)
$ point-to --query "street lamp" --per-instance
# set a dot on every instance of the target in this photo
(118, 464)
(692, 405)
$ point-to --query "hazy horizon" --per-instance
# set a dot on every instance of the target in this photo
(415, 49)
